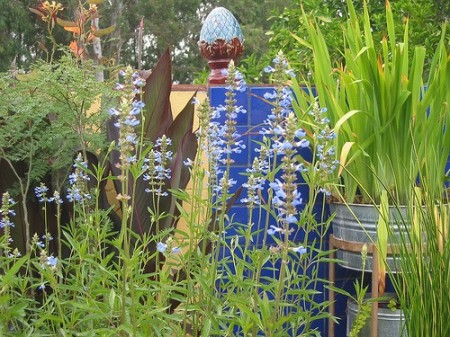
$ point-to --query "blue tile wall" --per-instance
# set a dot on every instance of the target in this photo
(260, 108)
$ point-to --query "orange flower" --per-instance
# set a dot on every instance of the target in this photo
(50, 10)
(75, 48)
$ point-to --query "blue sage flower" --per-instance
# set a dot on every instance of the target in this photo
(269, 69)
(222, 138)
(161, 247)
(77, 192)
(52, 261)
(156, 166)
(299, 250)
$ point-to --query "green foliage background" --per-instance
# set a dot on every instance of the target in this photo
(425, 20)
(176, 23)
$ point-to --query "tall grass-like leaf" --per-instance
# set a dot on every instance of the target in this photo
(382, 241)
(423, 254)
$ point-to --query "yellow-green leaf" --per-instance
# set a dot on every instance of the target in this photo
(302, 41)
(382, 240)
(35, 11)
(64, 23)
(103, 31)
(362, 51)
(343, 119)
(324, 18)
(26, 77)
(418, 202)
(344, 154)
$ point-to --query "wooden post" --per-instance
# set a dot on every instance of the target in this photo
(356, 247)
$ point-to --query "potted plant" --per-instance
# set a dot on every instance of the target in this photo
(386, 315)
(417, 307)
(390, 123)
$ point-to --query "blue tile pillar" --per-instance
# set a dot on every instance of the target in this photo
(248, 126)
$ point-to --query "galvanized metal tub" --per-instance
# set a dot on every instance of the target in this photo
(391, 323)
(358, 223)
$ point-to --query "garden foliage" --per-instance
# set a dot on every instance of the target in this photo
(78, 261)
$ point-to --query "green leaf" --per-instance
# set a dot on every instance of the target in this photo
(382, 240)
(7, 278)
(112, 299)
(264, 305)
(302, 41)
(206, 329)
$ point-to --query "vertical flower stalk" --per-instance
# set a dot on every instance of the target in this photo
(223, 141)
(41, 193)
(157, 170)
(157, 173)
(226, 137)
(198, 201)
(281, 98)
(5, 223)
(282, 138)
(210, 143)
(325, 162)
(127, 117)
(58, 202)
(254, 184)
(78, 193)
(287, 197)
(273, 144)
(278, 164)
(74, 193)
